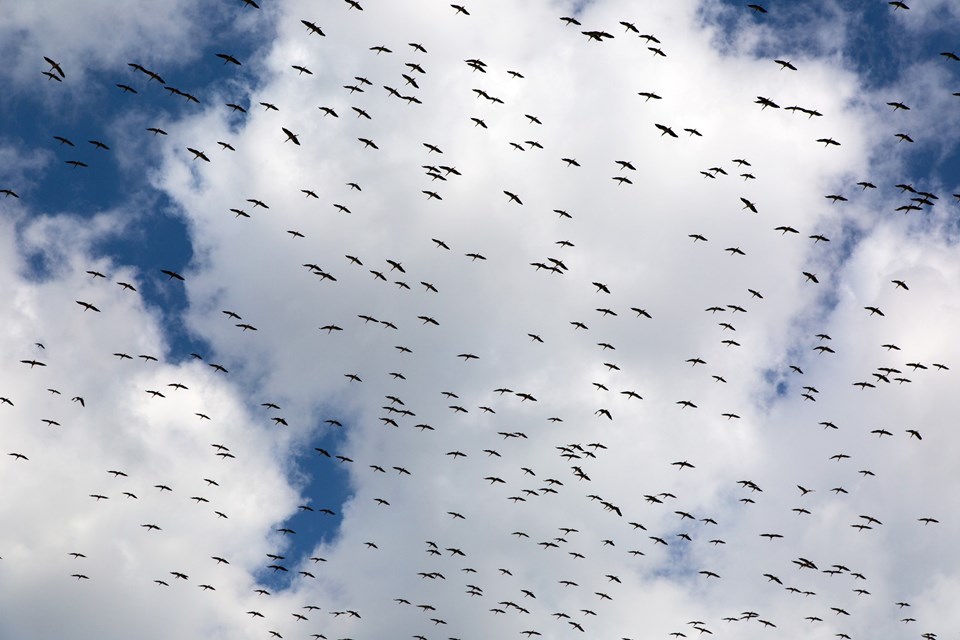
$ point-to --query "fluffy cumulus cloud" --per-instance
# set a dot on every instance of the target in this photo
(624, 337)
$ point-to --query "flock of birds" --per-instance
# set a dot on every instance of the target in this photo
(588, 571)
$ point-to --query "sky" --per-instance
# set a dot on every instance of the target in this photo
(409, 319)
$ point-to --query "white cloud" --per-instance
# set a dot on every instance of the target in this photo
(633, 238)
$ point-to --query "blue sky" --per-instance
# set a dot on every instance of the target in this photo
(146, 205)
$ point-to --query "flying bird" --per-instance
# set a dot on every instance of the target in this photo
(227, 58)
(55, 66)
(665, 130)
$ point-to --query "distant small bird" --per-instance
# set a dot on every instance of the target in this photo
(228, 58)
(665, 130)
(172, 275)
(54, 66)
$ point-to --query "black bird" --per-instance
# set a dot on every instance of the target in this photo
(665, 130)
(54, 66)
(228, 58)
(766, 102)
(311, 27)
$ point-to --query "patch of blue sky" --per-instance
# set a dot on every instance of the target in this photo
(324, 484)
(578, 7)
(677, 564)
